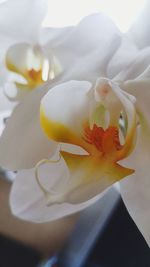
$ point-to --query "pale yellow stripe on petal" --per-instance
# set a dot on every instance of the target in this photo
(58, 132)
(91, 176)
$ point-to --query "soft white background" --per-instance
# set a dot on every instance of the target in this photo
(65, 12)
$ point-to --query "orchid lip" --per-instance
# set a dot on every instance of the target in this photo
(51, 196)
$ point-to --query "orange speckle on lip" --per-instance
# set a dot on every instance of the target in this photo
(106, 141)
(35, 75)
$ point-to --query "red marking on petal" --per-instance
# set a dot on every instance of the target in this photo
(106, 141)
(110, 141)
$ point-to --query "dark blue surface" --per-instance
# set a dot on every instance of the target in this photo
(15, 254)
(115, 241)
(120, 245)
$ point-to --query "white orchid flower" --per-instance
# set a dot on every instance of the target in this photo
(99, 127)
(25, 62)
(97, 130)
(17, 25)
(91, 121)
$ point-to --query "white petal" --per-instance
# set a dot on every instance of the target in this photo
(140, 89)
(136, 67)
(17, 56)
(139, 31)
(53, 37)
(13, 94)
(17, 19)
(3, 116)
(23, 142)
(88, 47)
(65, 103)
(6, 41)
(136, 189)
(5, 104)
(123, 58)
(17, 24)
(28, 201)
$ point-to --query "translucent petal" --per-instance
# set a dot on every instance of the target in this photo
(13, 15)
(88, 50)
(28, 201)
(135, 190)
(139, 31)
(23, 142)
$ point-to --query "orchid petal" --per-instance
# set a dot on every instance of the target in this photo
(5, 104)
(23, 143)
(61, 108)
(6, 41)
(83, 44)
(136, 67)
(28, 201)
(54, 37)
(136, 190)
(139, 31)
(12, 26)
(16, 57)
(12, 16)
(89, 177)
(124, 57)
